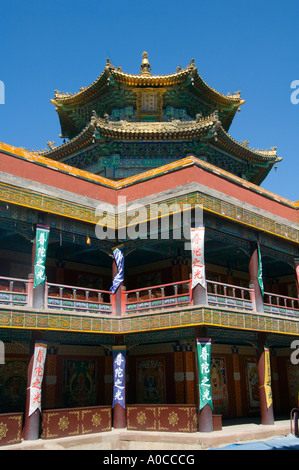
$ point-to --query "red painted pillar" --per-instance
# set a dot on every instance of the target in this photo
(199, 295)
(30, 290)
(205, 419)
(119, 417)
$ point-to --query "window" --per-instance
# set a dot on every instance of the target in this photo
(149, 102)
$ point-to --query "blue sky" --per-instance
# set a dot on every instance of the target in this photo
(246, 45)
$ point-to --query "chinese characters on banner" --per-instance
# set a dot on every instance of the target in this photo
(40, 351)
(119, 276)
(204, 372)
(119, 368)
(267, 379)
(198, 261)
(42, 238)
(260, 270)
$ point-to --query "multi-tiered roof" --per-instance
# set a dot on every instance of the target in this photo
(124, 124)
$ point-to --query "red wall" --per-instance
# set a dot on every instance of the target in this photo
(55, 178)
(183, 176)
(195, 174)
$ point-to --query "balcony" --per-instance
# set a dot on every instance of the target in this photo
(77, 299)
(280, 305)
(14, 292)
(157, 297)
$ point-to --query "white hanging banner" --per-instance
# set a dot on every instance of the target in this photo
(40, 352)
(198, 259)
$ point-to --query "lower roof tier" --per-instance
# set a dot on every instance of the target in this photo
(122, 149)
(49, 186)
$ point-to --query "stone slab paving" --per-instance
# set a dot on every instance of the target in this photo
(123, 440)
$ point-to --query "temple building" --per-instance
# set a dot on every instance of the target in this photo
(141, 261)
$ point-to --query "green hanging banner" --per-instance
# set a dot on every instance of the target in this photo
(204, 372)
(260, 270)
(42, 239)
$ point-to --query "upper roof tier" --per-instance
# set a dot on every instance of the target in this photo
(101, 134)
(114, 90)
(124, 124)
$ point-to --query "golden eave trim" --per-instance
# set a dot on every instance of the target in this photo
(146, 81)
(247, 217)
(184, 317)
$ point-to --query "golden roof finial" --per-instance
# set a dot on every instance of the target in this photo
(145, 65)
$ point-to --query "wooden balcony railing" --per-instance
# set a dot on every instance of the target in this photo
(179, 294)
(281, 305)
(226, 295)
(176, 294)
(14, 291)
(78, 299)
(18, 292)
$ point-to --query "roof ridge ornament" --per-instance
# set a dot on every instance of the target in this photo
(145, 68)
(192, 64)
(94, 117)
(50, 144)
